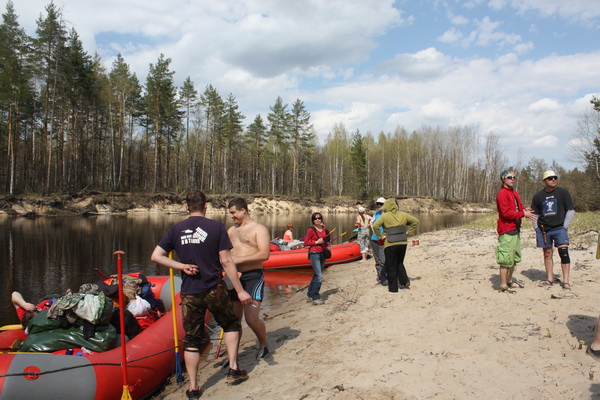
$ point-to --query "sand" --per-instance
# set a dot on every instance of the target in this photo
(453, 335)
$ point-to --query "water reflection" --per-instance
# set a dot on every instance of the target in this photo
(49, 255)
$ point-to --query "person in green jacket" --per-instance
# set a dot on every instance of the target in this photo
(395, 243)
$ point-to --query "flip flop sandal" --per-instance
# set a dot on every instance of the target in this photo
(507, 289)
(545, 283)
(566, 286)
(517, 284)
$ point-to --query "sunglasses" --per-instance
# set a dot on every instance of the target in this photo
(552, 178)
(378, 204)
(316, 218)
(510, 177)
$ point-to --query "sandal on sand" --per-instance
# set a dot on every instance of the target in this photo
(517, 284)
(549, 283)
(507, 289)
(593, 353)
(566, 286)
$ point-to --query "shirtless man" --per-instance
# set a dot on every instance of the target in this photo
(250, 248)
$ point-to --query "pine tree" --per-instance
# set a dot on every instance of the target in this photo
(16, 95)
(163, 115)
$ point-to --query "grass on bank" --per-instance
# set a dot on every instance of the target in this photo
(582, 223)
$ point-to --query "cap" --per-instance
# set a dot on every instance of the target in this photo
(361, 209)
(548, 174)
(506, 173)
(380, 200)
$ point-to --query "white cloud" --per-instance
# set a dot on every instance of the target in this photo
(452, 35)
(546, 142)
(573, 10)
(459, 20)
(543, 105)
(422, 65)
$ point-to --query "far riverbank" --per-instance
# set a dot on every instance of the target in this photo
(95, 203)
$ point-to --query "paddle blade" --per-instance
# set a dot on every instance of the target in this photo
(126, 395)
(10, 327)
(178, 371)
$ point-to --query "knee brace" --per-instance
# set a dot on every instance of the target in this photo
(563, 252)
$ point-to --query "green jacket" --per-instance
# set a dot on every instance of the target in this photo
(392, 217)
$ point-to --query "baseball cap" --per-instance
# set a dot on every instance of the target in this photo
(361, 209)
(380, 200)
(548, 174)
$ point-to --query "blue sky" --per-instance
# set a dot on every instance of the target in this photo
(522, 69)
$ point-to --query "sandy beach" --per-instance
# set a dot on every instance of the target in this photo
(453, 335)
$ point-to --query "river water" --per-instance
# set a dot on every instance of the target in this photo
(50, 254)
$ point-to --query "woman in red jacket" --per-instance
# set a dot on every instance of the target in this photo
(316, 240)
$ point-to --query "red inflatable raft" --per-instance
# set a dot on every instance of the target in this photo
(97, 376)
(340, 254)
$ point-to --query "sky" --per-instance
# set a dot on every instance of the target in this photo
(524, 70)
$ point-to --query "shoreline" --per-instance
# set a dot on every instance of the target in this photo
(85, 205)
(452, 335)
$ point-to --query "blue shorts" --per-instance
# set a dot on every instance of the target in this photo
(558, 236)
(253, 282)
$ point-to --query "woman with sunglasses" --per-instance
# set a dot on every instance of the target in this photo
(316, 239)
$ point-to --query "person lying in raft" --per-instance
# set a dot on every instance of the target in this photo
(26, 311)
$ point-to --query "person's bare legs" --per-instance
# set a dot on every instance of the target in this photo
(364, 257)
(192, 361)
(251, 312)
(548, 263)
(252, 315)
(232, 342)
(509, 274)
(503, 277)
(596, 343)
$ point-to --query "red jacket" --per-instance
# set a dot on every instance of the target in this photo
(510, 210)
(312, 236)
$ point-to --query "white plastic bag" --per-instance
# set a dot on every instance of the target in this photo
(138, 307)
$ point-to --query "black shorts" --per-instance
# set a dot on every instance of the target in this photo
(253, 282)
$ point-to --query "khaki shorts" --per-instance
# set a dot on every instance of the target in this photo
(194, 306)
(508, 250)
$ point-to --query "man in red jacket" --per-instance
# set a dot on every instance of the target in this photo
(510, 212)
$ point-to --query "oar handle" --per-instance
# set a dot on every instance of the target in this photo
(330, 232)
(333, 240)
(119, 255)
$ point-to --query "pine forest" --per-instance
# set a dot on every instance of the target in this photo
(67, 123)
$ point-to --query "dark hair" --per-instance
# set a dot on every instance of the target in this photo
(196, 200)
(312, 218)
(290, 226)
(239, 204)
(28, 316)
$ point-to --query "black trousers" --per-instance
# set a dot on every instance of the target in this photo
(394, 266)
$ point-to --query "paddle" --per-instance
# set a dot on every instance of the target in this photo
(220, 342)
(126, 394)
(10, 327)
(178, 372)
(333, 240)
(102, 274)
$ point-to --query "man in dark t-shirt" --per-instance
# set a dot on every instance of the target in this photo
(554, 210)
(203, 248)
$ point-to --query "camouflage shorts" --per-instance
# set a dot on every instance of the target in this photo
(194, 306)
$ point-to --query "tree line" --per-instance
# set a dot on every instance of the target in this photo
(68, 124)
